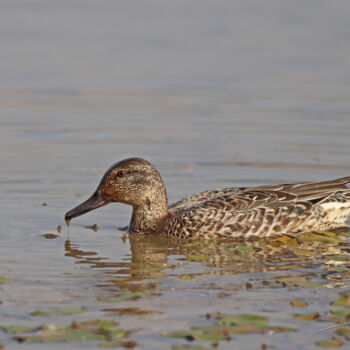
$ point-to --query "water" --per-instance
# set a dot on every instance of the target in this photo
(215, 94)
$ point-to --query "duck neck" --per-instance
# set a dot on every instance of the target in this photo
(150, 216)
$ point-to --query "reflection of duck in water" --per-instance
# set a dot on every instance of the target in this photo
(150, 255)
(230, 212)
(240, 256)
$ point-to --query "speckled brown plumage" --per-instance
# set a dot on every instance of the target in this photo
(229, 212)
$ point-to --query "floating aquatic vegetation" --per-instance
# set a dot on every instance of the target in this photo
(298, 303)
(227, 325)
(323, 237)
(186, 277)
(307, 317)
(4, 279)
(339, 315)
(70, 311)
(329, 343)
(188, 347)
(132, 311)
(94, 330)
(202, 333)
(49, 235)
(19, 329)
(324, 246)
(340, 312)
(127, 344)
(343, 300)
(292, 259)
(343, 331)
(299, 281)
(128, 296)
(195, 257)
(242, 320)
(284, 240)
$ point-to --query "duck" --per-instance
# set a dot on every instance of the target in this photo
(221, 213)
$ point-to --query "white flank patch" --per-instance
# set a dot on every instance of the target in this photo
(334, 211)
(334, 206)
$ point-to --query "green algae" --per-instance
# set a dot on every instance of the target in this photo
(323, 237)
(128, 296)
(242, 248)
(340, 315)
(242, 320)
(196, 257)
(227, 325)
(4, 279)
(300, 281)
(188, 347)
(94, 330)
(18, 329)
(343, 331)
(307, 317)
(329, 343)
(186, 277)
(127, 344)
(69, 311)
(343, 300)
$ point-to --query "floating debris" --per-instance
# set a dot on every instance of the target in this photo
(94, 227)
(298, 303)
(132, 311)
(307, 317)
(124, 237)
(127, 344)
(49, 235)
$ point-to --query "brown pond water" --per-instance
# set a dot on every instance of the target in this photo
(215, 94)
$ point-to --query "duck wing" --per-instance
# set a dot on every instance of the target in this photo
(202, 197)
(310, 191)
(274, 196)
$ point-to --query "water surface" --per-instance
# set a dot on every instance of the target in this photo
(215, 95)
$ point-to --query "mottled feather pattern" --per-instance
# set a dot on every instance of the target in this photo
(260, 211)
(226, 212)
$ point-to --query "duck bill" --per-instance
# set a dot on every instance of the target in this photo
(94, 202)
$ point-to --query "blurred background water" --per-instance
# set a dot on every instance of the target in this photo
(214, 93)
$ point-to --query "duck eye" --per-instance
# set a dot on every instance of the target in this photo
(120, 173)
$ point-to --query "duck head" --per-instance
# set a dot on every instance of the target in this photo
(132, 181)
